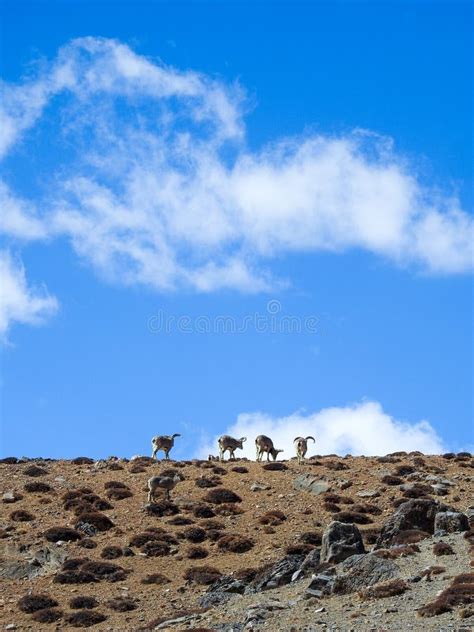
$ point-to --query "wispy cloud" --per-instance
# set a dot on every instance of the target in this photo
(153, 182)
(18, 301)
(359, 429)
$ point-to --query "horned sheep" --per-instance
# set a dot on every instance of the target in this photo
(265, 444)
(163, 442)
(302, 447)
(229, 443)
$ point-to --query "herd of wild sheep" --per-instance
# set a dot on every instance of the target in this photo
(226, 443)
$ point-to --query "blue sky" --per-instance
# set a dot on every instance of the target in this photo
(209, 160)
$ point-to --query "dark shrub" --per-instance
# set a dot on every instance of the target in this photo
(336, 466)
(405, 550)
(228, 509)
(442, 548)
(111, 552)
(9, 460)
(75, 577)
(220, 471)
(32, 603)
(331, 507)
(275, 466)
(102, 505)
(388, 479)
(148, 536)
(204, 482)
(55, 534)
(122, 604)
(98, 520)
(118, 493)
(20, 515)
(203, 575)
(235, 543)
(352, 517)
(246, 574)
(274, 517)
(196, 553)
(299, 549)
(194, 534)
(115, 485)
(85, 618)
(104, 570)
(83, 602)
(87, 543)
(221, 495)
(156, 548)
(48, 615)
(181, 521)
(336, 498)
(404, 469)
(155, 578)
(203, 511)
(82, 460)
(36, 487)
(213, 524)
(240, 469)
(137, 469)
(163, 508)
(73, 563)
(34, 470)
(384, 589)
(367, 509)
(311, 537)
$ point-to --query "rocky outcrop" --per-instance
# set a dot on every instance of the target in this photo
(418, 514)
(340, 541)
(450, 522)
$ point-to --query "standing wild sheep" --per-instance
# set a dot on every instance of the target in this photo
(164, 483)
(265, 444)
(229, 443)
(302, 447)
(163, 442)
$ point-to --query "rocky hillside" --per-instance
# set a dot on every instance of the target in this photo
(353, 543)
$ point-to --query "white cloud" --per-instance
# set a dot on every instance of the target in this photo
(16, 219)
(162, 190)
(20, 303)
(360, 429)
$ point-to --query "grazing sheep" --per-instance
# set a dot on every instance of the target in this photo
(163, 442)
(302, 447)
(211, 457)
(229, 443)
(165, 483)
(265, 444)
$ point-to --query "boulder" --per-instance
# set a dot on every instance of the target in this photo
(321, 585)
(310, 483)
(221, 591)
(341, 540)
(279, 574)
(418, 513)
(359, 571)
(450, 522)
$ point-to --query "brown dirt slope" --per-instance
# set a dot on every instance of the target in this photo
(73, 530)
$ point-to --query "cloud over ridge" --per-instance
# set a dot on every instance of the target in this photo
(359, 429)
(153, 183)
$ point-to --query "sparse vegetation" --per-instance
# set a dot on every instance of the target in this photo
(384, 589)
(203, 575)
(32, 603)
(221, 495)
(66, 534)
(83, 602)
(20, 515)
(235, 543)
(37, 487)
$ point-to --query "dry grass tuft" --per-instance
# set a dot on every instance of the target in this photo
(194, 534)
(384, 589)
(221, 495)
(155, 578)
(37, 487)
(20, 515)
(32, 603)
(235, 543)
(276, 466)
(85, 618)
(111, 552)
(48, 615)
(34, 470)
(122, 604)
(118, 493)
(66, 534)
(442, 548)
(83, 602)
(353, 517)
(203, 575)
(196, 553)
(273, 517)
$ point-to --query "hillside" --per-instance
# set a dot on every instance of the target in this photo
(154, 548)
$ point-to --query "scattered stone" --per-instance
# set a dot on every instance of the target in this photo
(259, 487)
(277, 575)
(310, 483)
(368, 494)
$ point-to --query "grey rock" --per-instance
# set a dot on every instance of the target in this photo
(28, 564)
(277, 575)
(86, 528)
(321, 585)
(359, 571)
(311, 561)
(258, 487)
(340, 541)
(369, 493)
(310, 483)
(10, 497)
(221, 591)
(440, 490)
(450, 522)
